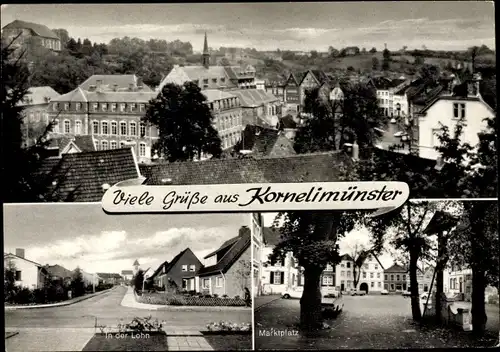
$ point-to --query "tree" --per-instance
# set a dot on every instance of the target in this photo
(429, 73)
(63, 36)
(332, 52)
(375, 64)
(373, 50)
(359, 253)
(77, 284)
(185, 123)
(314, 54)
(9, 280)
(363, 51)
(138, 280)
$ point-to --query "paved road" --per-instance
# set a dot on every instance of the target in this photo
(369, 322)
(69, 328)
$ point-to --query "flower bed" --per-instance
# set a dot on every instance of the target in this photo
(227, 328)
(184, 300)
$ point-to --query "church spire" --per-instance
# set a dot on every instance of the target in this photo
(206, 54)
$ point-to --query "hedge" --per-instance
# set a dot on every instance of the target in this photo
(180, 300)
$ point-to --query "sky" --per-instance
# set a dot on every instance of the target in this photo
(438, 25)
(83, 235)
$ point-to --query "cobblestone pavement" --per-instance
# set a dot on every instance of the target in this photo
(263, 300)
(367, 322)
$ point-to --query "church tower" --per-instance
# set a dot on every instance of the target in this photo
(136, 266)
(206, 55)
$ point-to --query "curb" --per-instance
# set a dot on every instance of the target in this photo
(11, 334)
(265, 304)
(162, 307)
(60, 304)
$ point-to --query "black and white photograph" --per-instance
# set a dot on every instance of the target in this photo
(77, 279)
(95, 94)
(422, 276)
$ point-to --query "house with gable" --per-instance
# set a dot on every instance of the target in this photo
(371, 275)
(127, 275)
(68, 145)
(178, 274)
(110, 278)
(256, 231)
(228, 270)
(28, 273)
(263, 142)
(292, 94)
(344, 273)
(395, 278)
(60, 274)
(31, 34)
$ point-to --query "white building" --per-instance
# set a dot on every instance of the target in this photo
(447, 110)
(256, 227)
(371, 277)
(28, 273)
(344, 273)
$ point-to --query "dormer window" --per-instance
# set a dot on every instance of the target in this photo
(133, 106)
(113, 107)
(95, 106)
(56, 106)
(66, 106)
(78, 106)
(104, 107)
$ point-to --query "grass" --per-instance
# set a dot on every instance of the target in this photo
(101, 342)
(229, 342)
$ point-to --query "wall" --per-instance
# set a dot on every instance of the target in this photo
(36, 119)
(442, 111)
(391, 283)
(229, 124)
(177, 274)
(373, 275)
(287, 270)
(257, 244)
(344, 275)
(29, 272)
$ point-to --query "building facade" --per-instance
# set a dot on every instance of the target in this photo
(395, 279)
(371, 277)
(292, 95)
(28, 274)
(256, 228)
(345, 273)
(259, 107)
(31, 33)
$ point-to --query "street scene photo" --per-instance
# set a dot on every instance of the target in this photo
(186, 94)
(77, 279)
(422, 276)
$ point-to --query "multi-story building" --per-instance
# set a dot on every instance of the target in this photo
(112, 117)
(35, 106)
(344, 273)
(228, 117)
(447, 109)
(256, 229)
(424, 279)
(386, 89)
(395, 278)
(212, 77)
(277, 89)
(31, 34)
(292, 95)
(371, 275)
(259, 107)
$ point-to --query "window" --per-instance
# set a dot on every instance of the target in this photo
(78, 127)
(342, 273)
(277, 278)
(184, 267)
(205, 81)
(364, 275)
(348, 274)
(95, 106)
(113, 107)
(56, 106)
(133, 129)
(348, 264)
(372, 284)
(376, 266)
(104, 145)
(122, 144)
(378, 275)
(367, 266)
(392, 277)
(327, 280)
(192, 267)
(459, 110)
(104, 127)
(123, 128)
(371, 275)
(223, 80)
(122, 107)
(218, 281)
(397, 277)
(214, 80)
(66, 106)
(18, 275)
(104, 107)
(142, 129)
(141, 107)
(67, 126)
(133, 106)
(142, 149)
(404, 277)
(78, 106)
(113, 145)
(385, 277)
(392, 287)
(206, 283)
(379, 284)
(342, 265)
(114, 128)
(95, 127)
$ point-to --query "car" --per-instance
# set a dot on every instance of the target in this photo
(384, 292)
(358, 293)
(294, 292)
(393, 120)
(406, 293)
(328, 293)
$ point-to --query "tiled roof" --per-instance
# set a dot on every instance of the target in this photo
(231, 256)
(216, 94)
(288, 122)
(254, 97)
(136, 262)
(127, 272)
(39, 96)
(80, 176)
(157, 271)
(76, 95)
(346, 257)
(13, 255)
(271, 236)
(226, 244)
(121, 97)
(170, 265)
(395, 269)
(317, 167)
(108, 82)
(258, 139)
(39, 29)
(59, 271)
(181, 74)
(85, 143)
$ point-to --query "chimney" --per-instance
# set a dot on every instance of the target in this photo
(92, 88)
(131, 87)
(20, 252)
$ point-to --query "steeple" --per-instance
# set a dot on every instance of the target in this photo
(206, 55)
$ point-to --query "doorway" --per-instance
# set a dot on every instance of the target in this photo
(363, 287)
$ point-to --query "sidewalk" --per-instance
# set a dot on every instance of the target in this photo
(59, 304)
(130, 301)
(263, 300)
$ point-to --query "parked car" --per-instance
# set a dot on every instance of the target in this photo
(406, 293)
(384, 292)
(294, 292)
(358, 293)
(328, 293)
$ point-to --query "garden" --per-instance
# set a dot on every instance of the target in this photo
(190, 298)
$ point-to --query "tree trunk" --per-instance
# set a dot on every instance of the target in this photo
(310, 302)
(441, 263)
(478, 306)
(415, 299)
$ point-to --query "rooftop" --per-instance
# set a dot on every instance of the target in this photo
(109, 82)
(38, 29)
(254, 97)
(216, 94)
(39, 96)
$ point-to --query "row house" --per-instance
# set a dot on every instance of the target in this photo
(371, 275)
(228, 115)
(386, 90)
(35, 114)
(277, 89)
(29, 33)
(112, 118)
(259, 107)
(344, 273)
(424, 279)
(395, 278)
(179, 274)
(227, 270)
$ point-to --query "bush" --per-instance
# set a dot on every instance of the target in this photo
(216, 295)
(24, 296)
(237, 297)
(225, 296)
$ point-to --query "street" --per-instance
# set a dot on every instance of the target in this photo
(67, 327)
(368, 322)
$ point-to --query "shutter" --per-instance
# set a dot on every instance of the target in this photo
(282, 281)
(271, 279)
